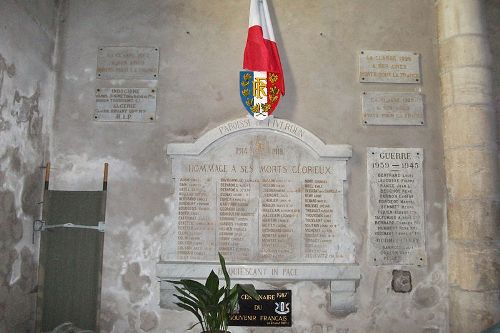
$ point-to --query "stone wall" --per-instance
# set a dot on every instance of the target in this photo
(27, 42)
(201, 48)
(492, 16)
(471, 157)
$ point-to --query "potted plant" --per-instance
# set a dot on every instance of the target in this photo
(210, 303)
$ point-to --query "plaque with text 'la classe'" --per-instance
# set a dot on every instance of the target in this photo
(389, 66)
(392, 108)
(259, 191)
(128, 62)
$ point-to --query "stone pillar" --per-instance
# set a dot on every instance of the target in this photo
(471, 167)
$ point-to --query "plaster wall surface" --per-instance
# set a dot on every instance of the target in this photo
(201, 47)
(27, 41)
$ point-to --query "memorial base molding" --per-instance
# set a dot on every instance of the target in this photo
(343, 278)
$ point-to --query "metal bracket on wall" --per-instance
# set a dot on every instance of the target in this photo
(40, 225)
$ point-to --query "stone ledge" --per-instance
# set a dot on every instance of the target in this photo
(257, 271)
(343, 278)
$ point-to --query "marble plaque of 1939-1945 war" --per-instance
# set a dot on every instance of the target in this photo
(270, 197)
(396, 206)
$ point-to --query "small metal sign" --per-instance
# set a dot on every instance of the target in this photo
(392, 108)
(127, 62)
(274, 309)
(125, 104)
(389, 66)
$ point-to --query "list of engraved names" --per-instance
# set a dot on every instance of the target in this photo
(273, 205)
(194, 220)
(396, 205)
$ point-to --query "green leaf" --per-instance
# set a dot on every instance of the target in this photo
(202, 303)
(189, 329)
(174, 282)
(234, 290)
(212, 283)
(187, 301)
(186, 294)
(250, 290)
(224, 270)
(187, 307)
(192, 285)
(220, 293)
(233, 301)
(193, 311)
(230, 295)
(210, 302)
(197, 289)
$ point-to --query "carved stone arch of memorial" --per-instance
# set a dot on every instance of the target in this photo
(270, 196)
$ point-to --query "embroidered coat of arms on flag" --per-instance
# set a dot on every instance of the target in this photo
(262, 82)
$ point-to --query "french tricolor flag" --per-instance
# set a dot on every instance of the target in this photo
(261, 51)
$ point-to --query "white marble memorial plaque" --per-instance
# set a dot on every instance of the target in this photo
(260, 191)
(392, 108)
(389, 66)
(396, 206)
(127, 62)
(270, 196)
(125, 104)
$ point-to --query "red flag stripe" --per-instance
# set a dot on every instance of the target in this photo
(262, 54)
